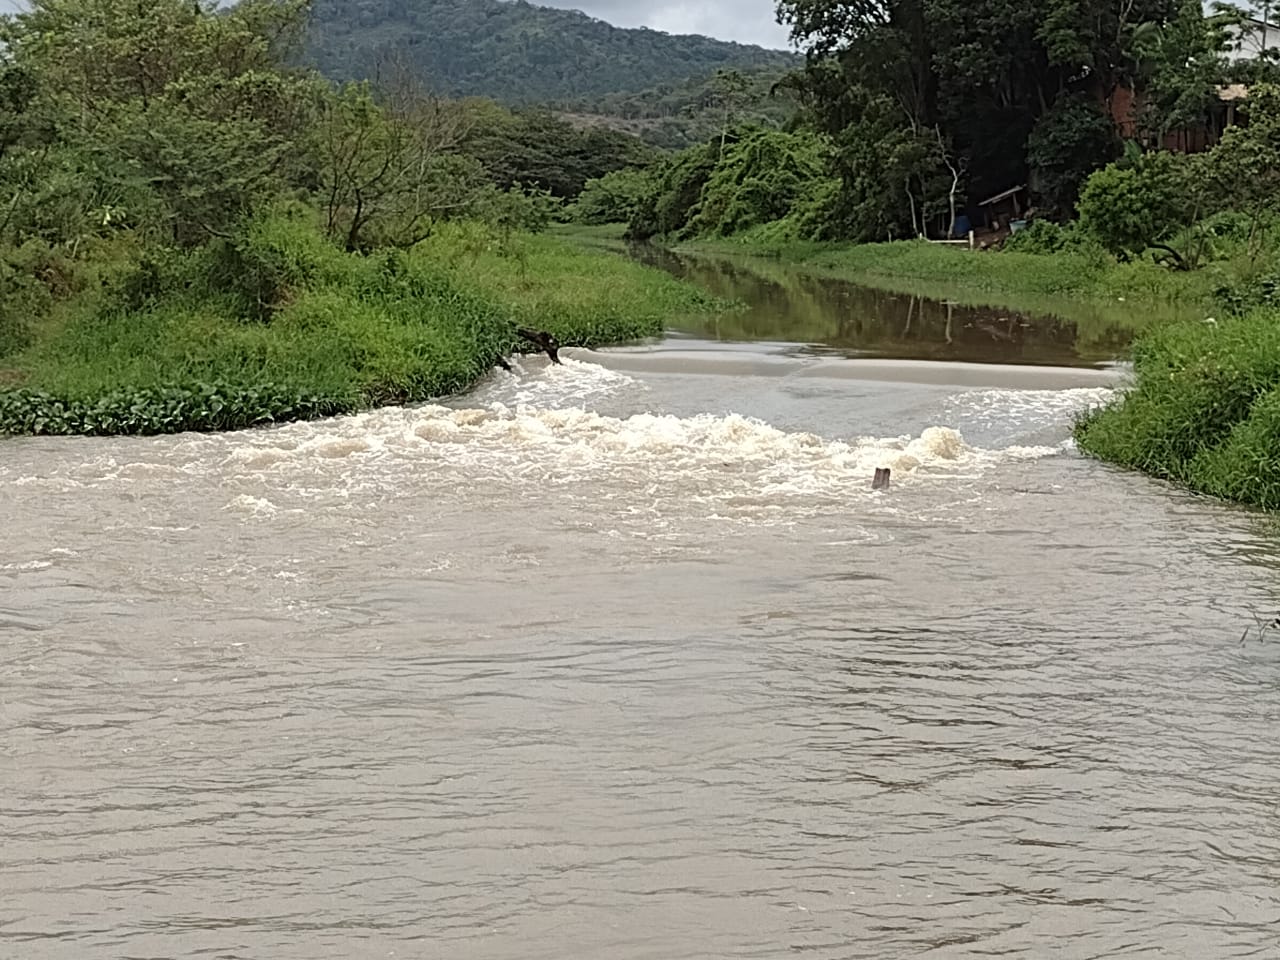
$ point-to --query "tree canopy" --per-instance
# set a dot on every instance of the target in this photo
(927, 99)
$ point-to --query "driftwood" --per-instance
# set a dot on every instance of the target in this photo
(540, 339)
(543, 340)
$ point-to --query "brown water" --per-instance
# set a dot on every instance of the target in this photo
(593, 664)
(824, 315)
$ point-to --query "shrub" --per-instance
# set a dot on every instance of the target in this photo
(1134, 204)
(268, 259)
(1045, 237)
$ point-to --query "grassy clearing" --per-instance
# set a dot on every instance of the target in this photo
(276, 324)
(1204, 411)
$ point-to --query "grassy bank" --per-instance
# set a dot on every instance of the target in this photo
(1074, 285)
(1204, 411)
(275, 323)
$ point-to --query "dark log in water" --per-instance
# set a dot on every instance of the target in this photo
(543, 340)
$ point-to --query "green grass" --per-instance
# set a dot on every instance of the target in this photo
(585, 297)
(1204, 410)
(276, 324)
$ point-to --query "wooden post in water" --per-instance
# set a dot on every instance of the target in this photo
(881, 479)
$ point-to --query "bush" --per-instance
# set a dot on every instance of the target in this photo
(269, 259)
(1130, 205)
(1045, 237)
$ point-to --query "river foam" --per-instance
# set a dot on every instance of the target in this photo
(538, 436)
(725, 467)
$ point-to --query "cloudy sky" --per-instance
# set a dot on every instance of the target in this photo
(747, 21)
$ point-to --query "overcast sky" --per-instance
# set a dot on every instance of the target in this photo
(747, 21)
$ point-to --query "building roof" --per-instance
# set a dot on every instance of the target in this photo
(1233, 91)
(1003, 196)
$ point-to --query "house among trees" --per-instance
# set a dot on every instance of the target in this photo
(1126, 111)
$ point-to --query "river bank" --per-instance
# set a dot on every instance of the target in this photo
(1076, 285)
(276, 324)
(1204, 410)
(1066, 284)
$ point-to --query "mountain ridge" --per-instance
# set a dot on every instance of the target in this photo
(515, 52)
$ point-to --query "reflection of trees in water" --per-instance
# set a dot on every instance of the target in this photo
(783, 304)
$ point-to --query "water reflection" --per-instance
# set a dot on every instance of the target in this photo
(836, 316)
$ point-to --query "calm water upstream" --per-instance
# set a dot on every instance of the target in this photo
(833, 316)
(623, 659)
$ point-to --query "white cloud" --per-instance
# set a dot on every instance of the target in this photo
(746, 21)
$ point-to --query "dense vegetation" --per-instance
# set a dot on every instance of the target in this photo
(918, 109)
(195, 237)
(534, 147)
(678, 115)
(514, 52)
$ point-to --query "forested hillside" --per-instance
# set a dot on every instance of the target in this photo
(681, 114)
(515, 52)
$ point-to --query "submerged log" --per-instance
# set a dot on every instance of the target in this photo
(543, 340)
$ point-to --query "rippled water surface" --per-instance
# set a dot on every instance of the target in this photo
(624, 659)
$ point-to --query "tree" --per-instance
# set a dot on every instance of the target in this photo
(730, 92)
(1243, 170)
(390, 164)
(1070, 141)
(518, 53)
(534, 146)
(173, 117)
(759, 178)
(613, 198)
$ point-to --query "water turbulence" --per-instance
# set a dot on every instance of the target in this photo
(635, 664)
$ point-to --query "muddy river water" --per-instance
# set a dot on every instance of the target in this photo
(625, 659)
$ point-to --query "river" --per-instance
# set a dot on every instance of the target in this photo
(624, 658)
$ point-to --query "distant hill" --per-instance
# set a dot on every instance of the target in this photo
(515, 52)
(677, 115)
